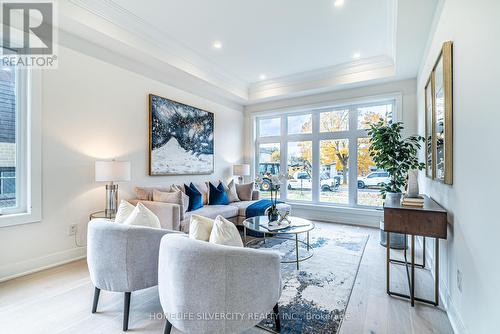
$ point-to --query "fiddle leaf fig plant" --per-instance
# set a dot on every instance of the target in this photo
(394, 154)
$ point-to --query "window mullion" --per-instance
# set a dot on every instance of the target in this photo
(316, 187)
(353, 161)
(284, 155)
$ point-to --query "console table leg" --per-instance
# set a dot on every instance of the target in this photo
(436, 287)
(412, 290)
(423, 256)
(388, 259)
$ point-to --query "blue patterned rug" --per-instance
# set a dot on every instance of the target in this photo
(314, 299)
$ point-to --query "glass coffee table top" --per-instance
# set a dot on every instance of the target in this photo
(297, 225)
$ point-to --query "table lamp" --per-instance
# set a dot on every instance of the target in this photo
(112, 171)
(241, 170)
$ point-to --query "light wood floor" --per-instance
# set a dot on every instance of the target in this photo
(59, 300)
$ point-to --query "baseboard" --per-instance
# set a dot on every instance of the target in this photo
(13, 270)
(455, 319)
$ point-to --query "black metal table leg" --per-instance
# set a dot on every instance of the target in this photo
(412, 291)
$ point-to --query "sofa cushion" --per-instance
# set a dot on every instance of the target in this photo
(142, 216)
(125, 209)
(242, 206)
(146, 193)
(230, 189)
(225, 233)
(200, 227)
(195, 197)
(218, 195)
(245, 191)
(174, 197)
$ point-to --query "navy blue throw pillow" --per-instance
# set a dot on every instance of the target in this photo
(195, 197)
(218, 196)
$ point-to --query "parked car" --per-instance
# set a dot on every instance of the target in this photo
(302, 180)
(374, 179)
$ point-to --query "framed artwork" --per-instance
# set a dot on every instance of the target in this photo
(439, 118)
(181, 138)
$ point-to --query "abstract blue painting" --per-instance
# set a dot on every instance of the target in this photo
(181, 138)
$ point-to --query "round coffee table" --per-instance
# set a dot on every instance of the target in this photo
(297, 226)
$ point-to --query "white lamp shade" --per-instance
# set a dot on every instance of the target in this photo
(112, 171)
(241, 170)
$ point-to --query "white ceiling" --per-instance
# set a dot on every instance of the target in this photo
(302, 46)
(276, 38)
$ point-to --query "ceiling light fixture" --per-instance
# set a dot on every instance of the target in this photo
(338, 3)
(262, 77)
(217, 45)
(356, 55)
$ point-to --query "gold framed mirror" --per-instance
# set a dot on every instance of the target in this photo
(439, 117)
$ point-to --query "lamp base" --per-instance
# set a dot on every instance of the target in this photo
(111, 199)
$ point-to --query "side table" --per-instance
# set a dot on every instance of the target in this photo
(102, 214)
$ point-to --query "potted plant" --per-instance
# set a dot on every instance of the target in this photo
(275, 185)
(397, 156)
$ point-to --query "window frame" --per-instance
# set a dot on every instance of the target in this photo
(28, 151)
(352, 135)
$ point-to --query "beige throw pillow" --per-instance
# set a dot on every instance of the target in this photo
(123, 212)
(245, 191)
(200, 227)
(174, 197)
(185, 198)
(225, 232)
(142, 216)
(230, 189)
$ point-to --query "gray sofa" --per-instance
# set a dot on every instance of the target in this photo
(203, 279)
(169, 214)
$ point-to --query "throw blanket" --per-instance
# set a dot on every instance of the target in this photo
(259, 208)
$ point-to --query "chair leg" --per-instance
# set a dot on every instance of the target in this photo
(97, 291)
(126, 309)
(276, 314)
(168, 327)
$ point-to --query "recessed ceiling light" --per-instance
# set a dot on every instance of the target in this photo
(356, 55)
(338, 3)
(217, 45)
(262, 77)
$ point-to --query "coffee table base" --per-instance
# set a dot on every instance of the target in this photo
(298, 259)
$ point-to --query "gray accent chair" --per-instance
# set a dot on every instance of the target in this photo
(202, 279)
(122, 258)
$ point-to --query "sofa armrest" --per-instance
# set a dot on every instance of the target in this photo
(255, 195)
(169, 214)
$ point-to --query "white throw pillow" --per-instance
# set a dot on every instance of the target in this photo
(225, 232)
(123, 212)
(142, 216)
(200, 227)
(185, 198)
(230, 189)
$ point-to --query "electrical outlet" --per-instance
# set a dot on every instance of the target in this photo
(459, 280)
(72, 229)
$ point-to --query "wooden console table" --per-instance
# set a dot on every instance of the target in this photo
(427, 221)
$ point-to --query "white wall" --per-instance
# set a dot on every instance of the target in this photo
(472, 200)
(405, 88)
(95, 110)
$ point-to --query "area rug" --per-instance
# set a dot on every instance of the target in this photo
(314, 298)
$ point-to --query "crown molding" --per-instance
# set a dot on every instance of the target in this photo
(324, 78)
(110, 26)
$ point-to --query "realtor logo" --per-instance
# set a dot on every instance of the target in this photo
(28, 34)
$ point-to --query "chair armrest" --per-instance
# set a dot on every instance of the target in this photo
(169, 214)
(255, 195)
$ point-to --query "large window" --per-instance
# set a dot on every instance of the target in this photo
(324, 153)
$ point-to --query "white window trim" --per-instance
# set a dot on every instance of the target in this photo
(315, 137)
(29, 149)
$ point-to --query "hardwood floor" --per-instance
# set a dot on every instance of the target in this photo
(59, 300)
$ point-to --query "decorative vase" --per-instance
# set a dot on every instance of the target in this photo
(273, 213)
(412, 184)
(391, 197)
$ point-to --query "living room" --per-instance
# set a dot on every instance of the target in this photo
(296, 168)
